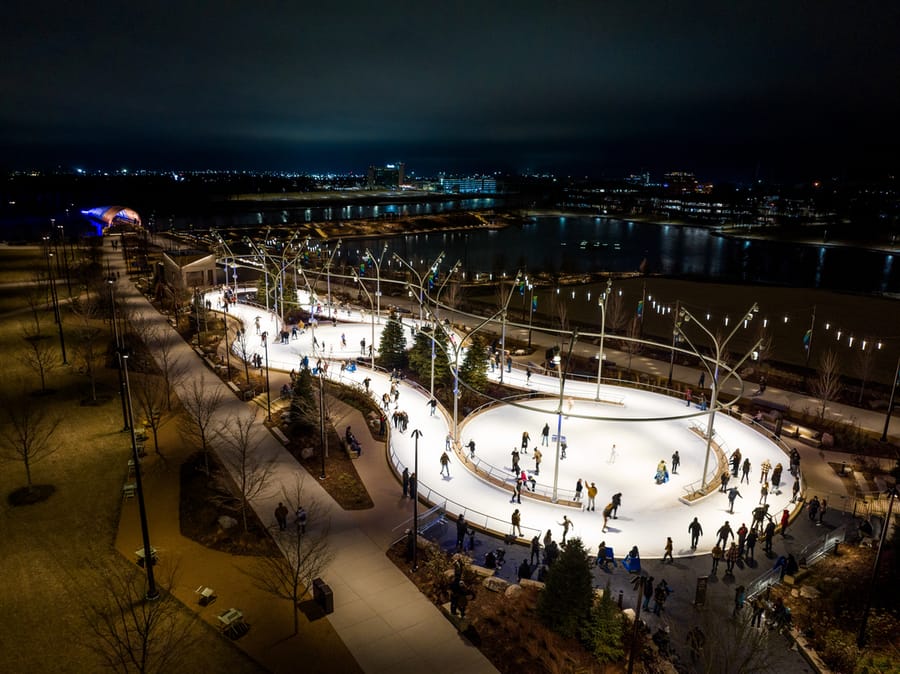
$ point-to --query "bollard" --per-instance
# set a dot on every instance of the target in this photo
(621, 599)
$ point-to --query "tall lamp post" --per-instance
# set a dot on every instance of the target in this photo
(377, 263)
(559, 414)
(123, 393)
(890, 409)
(685, 316)
(436, 318)
(601, 302)
(433, 267)
(416, 434)
(268, 386)
(56, 310)
(152, 592)
(503, 323)
(372, 307)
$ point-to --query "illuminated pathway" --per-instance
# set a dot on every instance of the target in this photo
(649, 512)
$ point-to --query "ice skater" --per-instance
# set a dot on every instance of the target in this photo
(662, 474)
(566, 524)
(612, 454)
(545, 436)
(676, 461)
(525, 440)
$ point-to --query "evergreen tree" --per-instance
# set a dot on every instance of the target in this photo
(304, 414)
(603, 632)
(473, 370)
(564, 604)
(420, 355)
(392, 351)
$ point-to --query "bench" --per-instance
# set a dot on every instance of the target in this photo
(809, 437)
(207, 595)
(277, 432)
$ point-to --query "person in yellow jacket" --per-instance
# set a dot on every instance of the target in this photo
(592, 494)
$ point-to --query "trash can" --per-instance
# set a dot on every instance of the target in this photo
(323, 596)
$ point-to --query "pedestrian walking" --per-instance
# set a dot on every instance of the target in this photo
(301, 518)
(742, 538)
(592, 495)
(702, 380)
(733, 494)
(716, 558)
(660, 594)
(696, 532)
(461, 526)
(676, 461)
(785, 521)
(648, 593)
(413, 482)
(405, 480)
(535, 550)
(688, 395)
(668, 552)
(768, 534)
(823, 506)
(536, 454)
(616, 502)
(445, 463)
(724, 533)
(757, 606)
(566, 524)
(751, 543)
(517, 522)
(739, 598)
(731, 558)
(813, 508)
(545, 436)
(527, 374)
(602, 559)
(795, 490)
(281, 515)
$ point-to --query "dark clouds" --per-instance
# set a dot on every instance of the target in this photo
(542, 85)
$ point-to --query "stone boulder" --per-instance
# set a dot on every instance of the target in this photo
(227, 522)
(495, 584)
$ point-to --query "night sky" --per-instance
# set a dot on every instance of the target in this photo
(731, 90)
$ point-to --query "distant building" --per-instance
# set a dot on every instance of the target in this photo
(469, 185)
(390, 176)
(187, 269)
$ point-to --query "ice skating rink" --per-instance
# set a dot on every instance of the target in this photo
(645, 427)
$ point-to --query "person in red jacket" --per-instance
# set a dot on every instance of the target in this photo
(785, 520)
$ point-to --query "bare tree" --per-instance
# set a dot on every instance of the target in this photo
(731, 645)
(36, 295)
(827, 386)
(245, 351)
(132, 633)
(40, 355)
(201, 404)
(305, 553)
(250, 473)
(149, 392)
(616, 317)
(632, 346)
(162, 343)
(27, 431)
(88, 340)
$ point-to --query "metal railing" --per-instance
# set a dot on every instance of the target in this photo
(473, 517)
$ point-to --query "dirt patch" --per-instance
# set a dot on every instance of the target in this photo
(25, 496)
(341, 480)
(199, 514)
(505, 629)
(831, 620)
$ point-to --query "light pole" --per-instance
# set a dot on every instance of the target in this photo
(328, 273)
(601, 302)
(416, 434)
(56, 310)
(371, 306)
(530, 311)
(268, 387)
(227, 348)
(152, 592)
(112, 301)
(323, 436)
(503, 323)
(377, 264)
(890, 409)
(861, 635)
(674, 337)
(436, 318)
(715, 385)
(433, 266)
(559, 413)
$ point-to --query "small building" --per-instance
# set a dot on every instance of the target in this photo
(189, 269)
